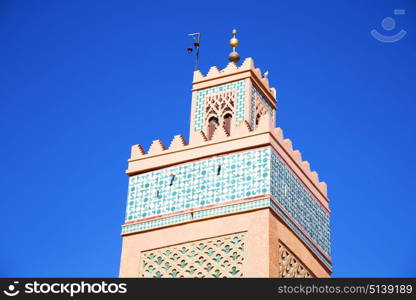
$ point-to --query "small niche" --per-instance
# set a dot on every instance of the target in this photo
(218, 170)
(212, 124)
(227, 122)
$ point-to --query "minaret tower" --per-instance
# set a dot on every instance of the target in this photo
(237, 201)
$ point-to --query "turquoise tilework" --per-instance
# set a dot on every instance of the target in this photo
(231, 208)
(239, 86)
(244, 174)
(221, 211)
(252, 107)
(299, 233)
(272, 111)
(156, 223)
(299, 203)
(198, 184)
(197, 215)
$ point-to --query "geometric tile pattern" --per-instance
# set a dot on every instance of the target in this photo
(256, 96)
(198, 184)
(290, 266)
(222, 179)
(221, 256)
(238, 86)
(299, 203)
(156, 223)
(233, 208)
(300, 233)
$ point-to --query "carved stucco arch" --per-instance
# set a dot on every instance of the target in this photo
(219, 105)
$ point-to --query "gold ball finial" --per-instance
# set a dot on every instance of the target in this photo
(233, 40)
(234, 57)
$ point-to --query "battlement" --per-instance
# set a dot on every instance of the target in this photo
(244, 137)
(246, 69)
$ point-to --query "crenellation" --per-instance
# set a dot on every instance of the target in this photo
(200, 138)
(246, 69)
(306, 167)
(278, 134)
(323, 187)
(230, 68)
(247, 64)
(315, 177)
(156, 147)
(198, 75)
(220, 134)
(265, 123)
(297, 156)
(265, 82)
(257, 71)
(136, 151)
(273, 91)
(177, 143)
(213, 71)
(242, 129)
(287, 144)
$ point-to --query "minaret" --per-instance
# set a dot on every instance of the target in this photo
(237, 201)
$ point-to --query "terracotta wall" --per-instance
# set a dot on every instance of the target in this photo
(255, 223)
(264, 230)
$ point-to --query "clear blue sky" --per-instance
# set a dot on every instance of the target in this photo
(81, 81)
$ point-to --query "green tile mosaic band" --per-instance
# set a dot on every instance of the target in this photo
(239, 86)
(198, 184)
(241, 175)
(156, 223)
(300, 234)
(299, 203)
(233, 208)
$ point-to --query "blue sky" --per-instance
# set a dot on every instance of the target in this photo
(81, 81)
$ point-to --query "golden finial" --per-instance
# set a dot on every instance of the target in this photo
(234, 56)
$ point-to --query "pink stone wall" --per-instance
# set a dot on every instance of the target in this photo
(279, 231)
(255, 223)
(263, 231)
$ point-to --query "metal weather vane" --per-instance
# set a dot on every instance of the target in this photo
(197, 38)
